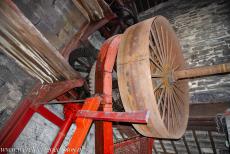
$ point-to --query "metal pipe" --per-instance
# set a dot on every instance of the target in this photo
(202, 71)
(61, 135)
(64, 102)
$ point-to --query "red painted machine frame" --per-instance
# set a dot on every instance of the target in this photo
(95, 108)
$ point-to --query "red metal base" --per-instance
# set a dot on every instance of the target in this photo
(34, 103)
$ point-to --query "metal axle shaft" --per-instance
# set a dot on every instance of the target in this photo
(202, 71)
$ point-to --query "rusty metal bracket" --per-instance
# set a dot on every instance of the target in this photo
(132, 117)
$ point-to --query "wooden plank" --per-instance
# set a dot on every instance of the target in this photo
(202, 128)
(208, 109)
(31, 50)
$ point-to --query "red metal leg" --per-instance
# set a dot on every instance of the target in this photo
(83, 126)
(104, 138)
(104, 68)
(61, 135)
(150, 145)
(69, 110)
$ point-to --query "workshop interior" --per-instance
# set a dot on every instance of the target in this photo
(114, 76)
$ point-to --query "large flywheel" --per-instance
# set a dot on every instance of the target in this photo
(152, 76)
(148, 56)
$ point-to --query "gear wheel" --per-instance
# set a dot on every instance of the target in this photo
(92, 79)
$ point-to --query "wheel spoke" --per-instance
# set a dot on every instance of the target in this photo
(176, 86)
(159, 86)
(179, 97)
(156, 76)
(176, 106)
(161, 96)
(156, 64)
(155, 52)
(156, 40)
(170, 122)
(160, 43)
(165, 103)
(163, 44)
(176, 101)
(167, 50)
(173, 111)
(179, 101)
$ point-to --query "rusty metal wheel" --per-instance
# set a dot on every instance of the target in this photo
(148, 56)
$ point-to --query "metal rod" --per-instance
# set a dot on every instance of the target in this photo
(174, 146)
(212, 142)
(196, 141)
(202, 71)
(186, 145)
(155, 150)
(64, 102)
(162, 146)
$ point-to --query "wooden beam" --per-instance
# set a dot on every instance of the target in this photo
(207, 109)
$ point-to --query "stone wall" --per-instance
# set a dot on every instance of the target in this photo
(57, 20)
(14, 85)
(203, 28)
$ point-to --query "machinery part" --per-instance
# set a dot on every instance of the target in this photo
(149, 53)
(202, 71)
(104, 67)
(117, 103)
(125, 18)
(152, 75)
(82, 59)
(92, 79)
